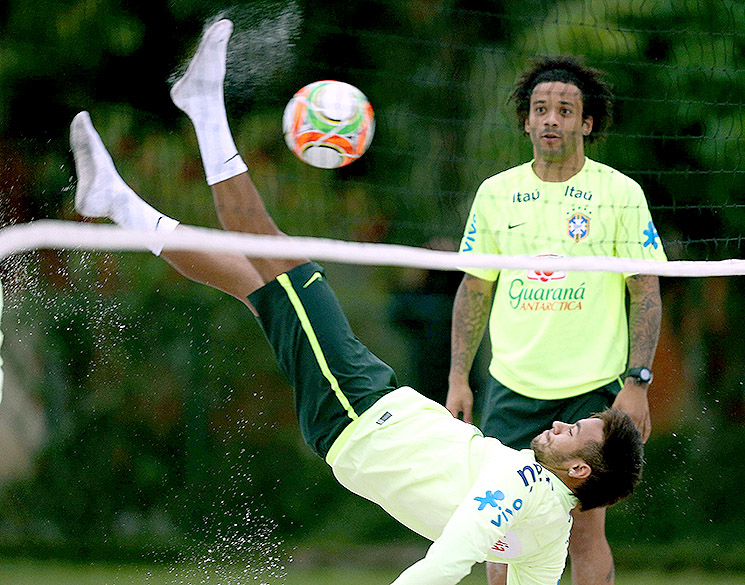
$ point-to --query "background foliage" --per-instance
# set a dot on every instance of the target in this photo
(166, 420)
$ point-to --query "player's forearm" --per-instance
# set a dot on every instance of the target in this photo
(470, 315)
(645, 316)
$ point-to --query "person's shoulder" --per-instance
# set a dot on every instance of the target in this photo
(607, 171)
(511, 173)
(504, 179)
(517, 466)
(508, 477)
(616, 177)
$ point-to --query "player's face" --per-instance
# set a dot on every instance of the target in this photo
(555, 123)
(562, 441)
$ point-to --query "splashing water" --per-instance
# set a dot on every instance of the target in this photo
(261, 48)
(246, 552)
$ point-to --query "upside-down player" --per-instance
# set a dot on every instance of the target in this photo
(473, 497)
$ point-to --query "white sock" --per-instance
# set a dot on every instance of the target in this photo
(199, 93)
(101, 192)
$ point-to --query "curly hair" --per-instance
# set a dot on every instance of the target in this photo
(597, 97)
(616, 463)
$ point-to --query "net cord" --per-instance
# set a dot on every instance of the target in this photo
(59, 234)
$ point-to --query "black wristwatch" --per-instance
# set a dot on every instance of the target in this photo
(641, 375)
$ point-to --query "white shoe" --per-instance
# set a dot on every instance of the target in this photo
(205, 75)
(98, 181)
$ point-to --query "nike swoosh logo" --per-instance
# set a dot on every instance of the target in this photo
(510, 226)
(312, 279)
(231, 158)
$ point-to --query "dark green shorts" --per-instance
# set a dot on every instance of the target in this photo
(335, 377)
(515, 419)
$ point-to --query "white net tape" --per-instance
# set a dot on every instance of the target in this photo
(73, 235)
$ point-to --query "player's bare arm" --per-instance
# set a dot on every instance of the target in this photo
(645, 316)
(470, 315)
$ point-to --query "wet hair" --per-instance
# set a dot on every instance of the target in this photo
(597, 97)
(616, 463)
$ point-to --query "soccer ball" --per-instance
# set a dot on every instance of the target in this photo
(328, 124)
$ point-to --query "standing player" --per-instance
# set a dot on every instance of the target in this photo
(560, 340)
(475, 498)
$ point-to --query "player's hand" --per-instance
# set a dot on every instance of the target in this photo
(460, 401)
(632, 399)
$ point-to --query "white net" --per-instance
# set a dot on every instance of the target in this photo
(84, 236)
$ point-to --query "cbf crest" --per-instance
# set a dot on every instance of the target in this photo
(578, 225)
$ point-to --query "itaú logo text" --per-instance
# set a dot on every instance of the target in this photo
(547, 275)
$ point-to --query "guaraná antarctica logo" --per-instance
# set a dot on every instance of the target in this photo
(538, 292)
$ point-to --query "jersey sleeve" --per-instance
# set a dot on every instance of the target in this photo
(482, 519)
(479, 235)
(637, 236)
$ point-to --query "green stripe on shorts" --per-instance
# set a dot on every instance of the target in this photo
(335, 377)
(297, 304)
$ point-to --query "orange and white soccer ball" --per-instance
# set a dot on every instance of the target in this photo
(328, 124)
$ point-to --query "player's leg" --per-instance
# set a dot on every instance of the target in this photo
(496, 573)
(199, 94)
(241, 209)
(101, 192)
(335, 377)
(592, 560)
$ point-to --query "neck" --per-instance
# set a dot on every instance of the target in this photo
(558, 172)
(571, 482)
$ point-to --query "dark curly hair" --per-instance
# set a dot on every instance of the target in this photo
(616, 463)
(597, 97)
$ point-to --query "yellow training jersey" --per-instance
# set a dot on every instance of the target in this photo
(557, 334)
(476, 499)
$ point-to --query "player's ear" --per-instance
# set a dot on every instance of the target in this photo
(587, 126)
(579, 469)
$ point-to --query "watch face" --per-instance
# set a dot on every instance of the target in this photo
(643, 375)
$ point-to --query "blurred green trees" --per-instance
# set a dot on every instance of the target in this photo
(167, 419)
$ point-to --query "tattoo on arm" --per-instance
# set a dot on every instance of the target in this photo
(611, 573)
(645, 316)
(470, 315)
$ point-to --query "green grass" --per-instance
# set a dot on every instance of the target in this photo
(18, 572)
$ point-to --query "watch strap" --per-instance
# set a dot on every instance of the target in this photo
(641, 375)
